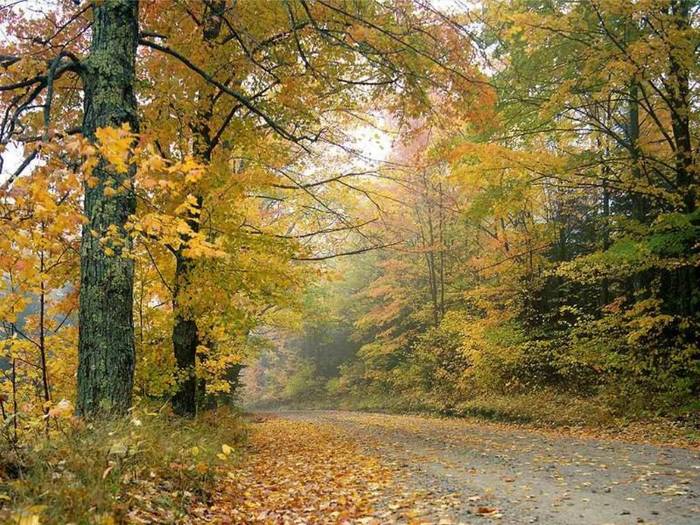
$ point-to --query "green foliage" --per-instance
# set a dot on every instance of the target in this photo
(302, 382)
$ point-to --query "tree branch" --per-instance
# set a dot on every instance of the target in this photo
(344, 254)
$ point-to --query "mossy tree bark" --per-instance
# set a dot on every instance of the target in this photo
(106, 340)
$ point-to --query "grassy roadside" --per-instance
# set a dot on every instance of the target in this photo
(545, 411)
(148, 467)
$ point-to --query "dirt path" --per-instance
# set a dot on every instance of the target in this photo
(453, 471)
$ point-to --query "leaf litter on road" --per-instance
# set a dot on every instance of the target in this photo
(302, 473)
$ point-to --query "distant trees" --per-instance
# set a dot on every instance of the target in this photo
(39, 249)
(555, 248)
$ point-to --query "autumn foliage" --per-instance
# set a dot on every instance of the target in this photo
(485, 209)
(548, 263)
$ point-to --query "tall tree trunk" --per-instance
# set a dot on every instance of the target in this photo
(605, 177)
(640, 204)
(441, 238)
(186, 337)
(686, 171)
(42, 337)
(13, 379)
(434, 292)
(185, 343)
(605, 285)
(681, 110)
(106, 339)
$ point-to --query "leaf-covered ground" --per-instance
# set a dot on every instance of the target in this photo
(339, 467)
(303, 472)
(299, 472)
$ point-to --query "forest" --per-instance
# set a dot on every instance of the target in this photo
(249, 246)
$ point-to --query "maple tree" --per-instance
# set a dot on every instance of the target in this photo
(299, 72)
(190, 200)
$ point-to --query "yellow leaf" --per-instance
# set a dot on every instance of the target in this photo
(114, 144)
(62, 409)
(29, 520)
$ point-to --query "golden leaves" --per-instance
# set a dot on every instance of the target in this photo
(225, 452)
(114, 144)
(28, 517)
(301, 473)
(62, 409)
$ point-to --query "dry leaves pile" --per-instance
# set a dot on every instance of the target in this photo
(298, 472)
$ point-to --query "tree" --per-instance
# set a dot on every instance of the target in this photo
(106, 342)
(106, 78)
(39, 226)
(295, 70)
(299, 75)
(554, 249)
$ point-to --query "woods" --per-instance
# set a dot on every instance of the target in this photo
(549, 254)
(476, 210)
(216, 126)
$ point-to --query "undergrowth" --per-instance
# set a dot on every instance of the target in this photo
(147, 467)
(545, 409)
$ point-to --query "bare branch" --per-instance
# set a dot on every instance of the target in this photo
(351, 252)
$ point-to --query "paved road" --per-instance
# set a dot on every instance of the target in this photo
(484, 472)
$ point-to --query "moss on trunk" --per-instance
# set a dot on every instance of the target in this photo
(106, 343)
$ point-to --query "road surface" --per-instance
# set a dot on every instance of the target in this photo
(468, 472)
